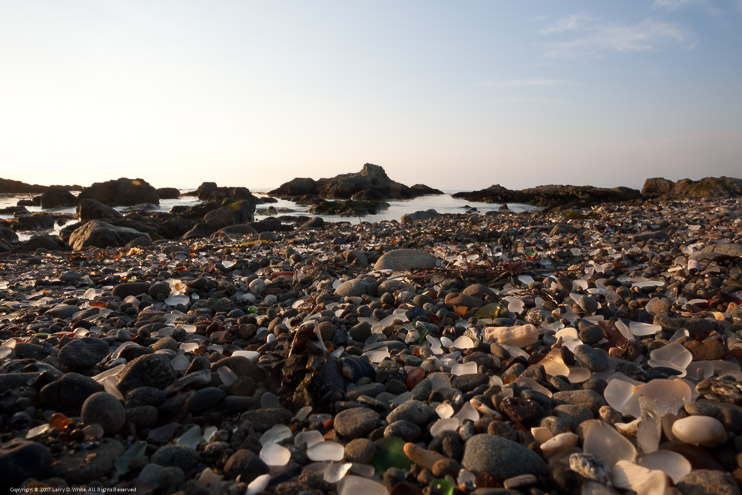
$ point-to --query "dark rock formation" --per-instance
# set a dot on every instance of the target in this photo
(90, 209)
(57, 198)
(168, 193)
(8, 186)
(222, 214)
(45, 242)
(348, 208)
(371, 183)
(552, 195)
(97, 233)
(423, 190)
(707, 188)
(123, 192)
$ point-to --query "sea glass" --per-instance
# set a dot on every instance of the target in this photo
(308, 438)
(441, 486)
(390, 453)
(459, 369)
(608, 444)
(335, 472)
(276, 434)
(190, 438)
(673, 464)
(326, 451)
(275, 455)
(356, 485)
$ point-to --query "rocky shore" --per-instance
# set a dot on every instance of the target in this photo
(541, 352)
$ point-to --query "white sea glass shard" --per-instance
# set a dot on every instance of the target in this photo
(643, 329)
(302, 413)
(326, 451)
(175, 300)
(578, 374)
(251, 355)
(439, 381)
(188, 346)
(309, 437)
(444, 410)
(525, 279)
(209, 433)
(673, 355)
(673, 464)
(467, 412)
(605, 442)
(336, 471)
(180, 363)
(355, 485)
(450, 424)
(554, 364)
(258, 485)
(625, 330)
(190, 438)
(226, 375)
(377, 355)
(276, 434)
(459, 369)
(650, 430)
(463, 342)
(275, 455)
(38, 430)
(667, 396)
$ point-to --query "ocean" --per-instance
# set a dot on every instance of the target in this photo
(442, 203)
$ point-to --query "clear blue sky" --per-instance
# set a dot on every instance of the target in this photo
(457, 95)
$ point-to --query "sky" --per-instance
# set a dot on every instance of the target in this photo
(455, 95)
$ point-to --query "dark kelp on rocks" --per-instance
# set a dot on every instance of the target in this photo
(506, 353)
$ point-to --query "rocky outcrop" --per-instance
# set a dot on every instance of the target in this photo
(90, 209)
(57, 198)
(97, 233)
(423, 190)
(370, 184)
(552, 195)
(706, 188)
(219, 215)
(168, 193)
(8, 186)
(121, 192)
(209, 191)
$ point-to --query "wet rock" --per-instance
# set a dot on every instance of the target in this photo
(500, 458)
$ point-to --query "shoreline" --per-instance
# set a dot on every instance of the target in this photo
(476, 351)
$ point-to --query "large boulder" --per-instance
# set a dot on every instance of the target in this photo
(57, 198)
(231, 212)
(122, 192)
(371, 182)
(552, 195)
(45, 242)
(97, 233)
(33, 221)
(168, 193)
(90, 209)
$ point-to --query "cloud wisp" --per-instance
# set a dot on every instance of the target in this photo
(582, 36)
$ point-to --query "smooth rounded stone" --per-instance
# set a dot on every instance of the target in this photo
(521, 410)
(356, 422)
(21, 460)
(706, 350)
(62, 311)
(413, 411)
(130, 289)
(142, 416)
(518, 336)
(357, 485)
(68, 393)
(81, 354)
(85, 465)
(407, 431)
(478, 290)
(159, 289)
(353, 288)
(237, 404)
(706, 481)
(144, 396)
(360, 450)
(658, 305)
(205, 399)
(596, 360)
(502, 429)
(165, 343)
(463, 300)
(590, 334)
(170, 479)
(25, 350)
(573, 414)
(104, 409)
(500, 458)
(180, 456)
(585, 398)
(360, 332)
(700, 430)
(558, 443)
(150, 370)
(468, 382)
(262, 420)
(369, 390)
(422, 390)
(588, 304)
(405, 259)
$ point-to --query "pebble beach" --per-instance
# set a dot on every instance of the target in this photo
(505, 352)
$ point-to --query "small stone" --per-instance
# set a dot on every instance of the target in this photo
(594, 359)
(68, 393)
(704, 481)
(360, 450)
(500, 458)
(20, 461)
(180, 456)
(205, 399)
(521, 410)
(706, 350)
(405, 259)
(356, 422)
(403, 429)
(246, 464)
(85, 465)
(150, 370)
(81, 354)
(700, 430)
(104, 409)
(413, 411)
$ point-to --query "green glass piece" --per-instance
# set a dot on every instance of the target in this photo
(252, 310)
(441, 487)
(390, 453)
(491, 311)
